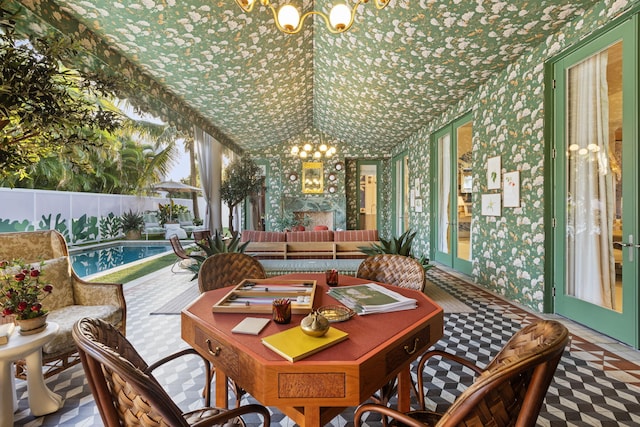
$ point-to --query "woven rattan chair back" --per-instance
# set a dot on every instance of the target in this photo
(228, 269)
(511, 389)
(397, 270)
(124, 393)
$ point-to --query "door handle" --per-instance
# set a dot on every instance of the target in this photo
(628, 244)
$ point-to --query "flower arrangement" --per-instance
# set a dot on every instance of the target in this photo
(22, 290)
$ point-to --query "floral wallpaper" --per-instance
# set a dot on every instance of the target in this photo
(385, 86)
(508, 120)
(251, 86)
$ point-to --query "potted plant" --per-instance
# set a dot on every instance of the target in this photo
(132, 224)
(241, 181)
(22, 293)
(401, 245)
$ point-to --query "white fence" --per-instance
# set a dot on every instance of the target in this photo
(80, 217)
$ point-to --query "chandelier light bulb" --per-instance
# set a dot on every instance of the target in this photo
(340, 16)
(317, 155)
(295, 150)
(323, 148)
(307, 147)
(288, 17)
(303, 154)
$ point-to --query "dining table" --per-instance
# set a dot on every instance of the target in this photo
(314, 390)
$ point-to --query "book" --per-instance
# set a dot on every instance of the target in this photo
(6, 330)
(293, 344)
(371, 298)
(251, 325)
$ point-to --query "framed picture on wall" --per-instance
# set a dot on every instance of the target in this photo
(493, 173)
(418, 207)
(491, 204)
(511, 190)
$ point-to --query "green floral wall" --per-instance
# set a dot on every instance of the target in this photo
(508, 253)
(281, 190)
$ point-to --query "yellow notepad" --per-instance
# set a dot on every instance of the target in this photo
(293, 344)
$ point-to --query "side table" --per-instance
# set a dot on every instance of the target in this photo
(42, 401)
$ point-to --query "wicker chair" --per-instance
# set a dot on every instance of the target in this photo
(397, 270)
(508, 392)
(228, 269)
(126, 392)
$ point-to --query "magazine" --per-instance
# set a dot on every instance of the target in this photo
(371, 298)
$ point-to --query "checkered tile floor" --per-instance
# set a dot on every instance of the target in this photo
(592, 386)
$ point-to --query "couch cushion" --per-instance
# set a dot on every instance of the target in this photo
(57, 272)
(310, 236)
(355, 235)
(66, 317)
(262, 236)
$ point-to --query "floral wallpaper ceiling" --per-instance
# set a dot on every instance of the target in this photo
(375, 85)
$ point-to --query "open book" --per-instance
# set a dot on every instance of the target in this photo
(371, 298)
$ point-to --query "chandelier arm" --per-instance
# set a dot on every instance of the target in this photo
(246, 6)
(380, 4)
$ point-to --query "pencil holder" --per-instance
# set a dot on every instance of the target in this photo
(281, 311)
(332, 277)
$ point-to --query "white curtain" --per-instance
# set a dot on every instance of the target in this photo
(590, 203)
(444, 191)
(210, 165)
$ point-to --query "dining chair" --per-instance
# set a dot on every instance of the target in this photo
(201, 236)
(180, 253)
(509, 391)
(228, 269)
(397, 270)
(127, 393)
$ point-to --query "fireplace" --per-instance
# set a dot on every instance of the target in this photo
(316, 218)
(329, 211)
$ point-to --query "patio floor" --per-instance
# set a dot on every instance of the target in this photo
(596, 384)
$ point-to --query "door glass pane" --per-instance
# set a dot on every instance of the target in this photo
(463, 140)
(401, 194)
(368, 197)
(444, 191)
(594, 186)
(405, 207)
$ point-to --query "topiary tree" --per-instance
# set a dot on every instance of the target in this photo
(242, 180)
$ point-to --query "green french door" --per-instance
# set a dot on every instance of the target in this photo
(596, 164)
(453, 203)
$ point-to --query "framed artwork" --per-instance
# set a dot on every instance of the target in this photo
(416, 184)
(312, 178)
(493, 173)
(491, 204)
(418, 207)
(511, 190)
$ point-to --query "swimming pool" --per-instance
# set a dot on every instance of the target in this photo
(89, 261)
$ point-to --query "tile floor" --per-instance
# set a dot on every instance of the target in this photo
(597, 382)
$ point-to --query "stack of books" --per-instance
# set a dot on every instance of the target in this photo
(371, 298)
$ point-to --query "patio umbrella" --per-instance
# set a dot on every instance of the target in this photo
(172, 187)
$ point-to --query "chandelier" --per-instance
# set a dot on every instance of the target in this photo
(311, 151)
(288, 19)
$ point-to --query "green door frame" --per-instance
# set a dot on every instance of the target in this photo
(450, 259)
(378, 164)
(394, 185)
(596, 317)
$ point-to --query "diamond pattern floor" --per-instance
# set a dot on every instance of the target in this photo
(592, 387)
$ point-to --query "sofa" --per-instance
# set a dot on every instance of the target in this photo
(319, 244)
(71, 299)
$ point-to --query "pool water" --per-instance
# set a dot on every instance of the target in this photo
(95, 260)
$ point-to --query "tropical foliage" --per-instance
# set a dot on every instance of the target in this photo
(45, 108)
(214, 245)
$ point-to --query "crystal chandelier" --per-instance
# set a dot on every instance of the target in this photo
(288, 19)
